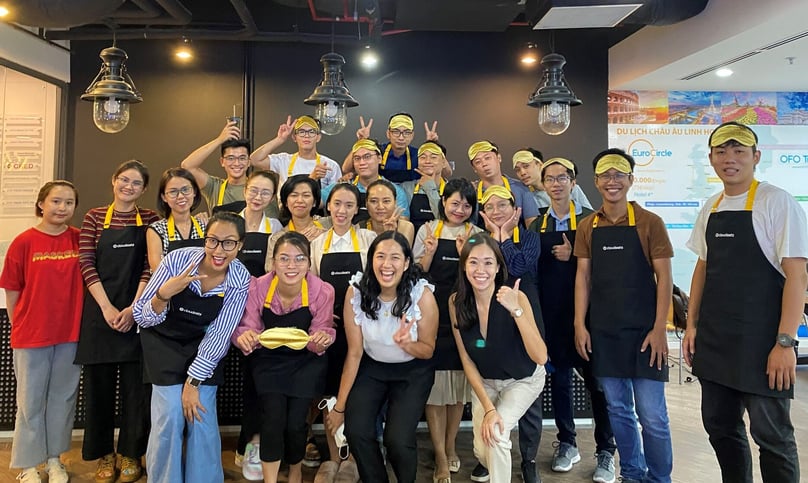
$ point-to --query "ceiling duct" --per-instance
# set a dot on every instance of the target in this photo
(570, 14)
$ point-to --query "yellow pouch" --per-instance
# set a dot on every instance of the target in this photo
(290, 337)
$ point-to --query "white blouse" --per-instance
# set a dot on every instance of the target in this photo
(378, 334)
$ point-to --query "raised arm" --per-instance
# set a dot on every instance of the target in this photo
(193, 162)
(260, 157)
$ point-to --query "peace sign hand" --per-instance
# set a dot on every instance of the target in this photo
(462, 238)
(430, 242)
(178, 283)
(563, 252)
(391, 223)
(364, 131)
(402, 336)
(509, 297)
(425, 178)
(431, 134)
(285, 129)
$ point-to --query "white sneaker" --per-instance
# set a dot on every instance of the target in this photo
(251, 466)
(56, 471)
(29, 475)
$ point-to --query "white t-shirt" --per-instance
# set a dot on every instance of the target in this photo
(377, 335)
(279, 162)
(777, 219)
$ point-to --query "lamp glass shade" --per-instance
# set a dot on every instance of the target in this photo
(333, 117)
(110, 115)
(554, 117)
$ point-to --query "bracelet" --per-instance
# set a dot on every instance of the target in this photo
(338, 411)
(160, 297)
(486, 413)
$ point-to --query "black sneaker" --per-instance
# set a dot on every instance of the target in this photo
(529, 473)
(480, 473)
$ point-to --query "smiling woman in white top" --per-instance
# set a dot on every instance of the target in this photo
(391, 323)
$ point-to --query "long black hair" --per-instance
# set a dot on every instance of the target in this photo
(370, 289)
(465, 303)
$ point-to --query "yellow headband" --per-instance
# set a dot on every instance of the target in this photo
(368, 144)
(430, 148)
(480, 147)
(563, 162)
(496, 190)
(400, 121)
(306, 121)
(730, 132)
(291, 337)
(524, 156)
(613, 161)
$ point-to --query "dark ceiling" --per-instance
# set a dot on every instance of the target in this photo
(318, 21)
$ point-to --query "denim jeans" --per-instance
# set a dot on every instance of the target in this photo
(561, 387)
(647, 457)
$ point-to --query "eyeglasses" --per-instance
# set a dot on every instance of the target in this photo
(286, 261)
(307, 133)
(240, 159)
(612, 176)
(562, 179)
(227, 245)
(184, 191)
(490, 207)
(256, 193)
(134, 183)
(397, 133)
(366, 157)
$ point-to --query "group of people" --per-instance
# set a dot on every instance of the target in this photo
(391, 291)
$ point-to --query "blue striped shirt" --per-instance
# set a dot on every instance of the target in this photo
(216, 342)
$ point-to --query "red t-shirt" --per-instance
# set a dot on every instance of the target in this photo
(45, 270)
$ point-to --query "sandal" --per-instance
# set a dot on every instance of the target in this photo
(442, 479)
(105, 472)
(454, 464)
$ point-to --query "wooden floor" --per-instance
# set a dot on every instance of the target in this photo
(694, 461)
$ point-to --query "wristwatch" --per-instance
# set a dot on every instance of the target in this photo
(786, 340)
(192, 381)
(517, 313)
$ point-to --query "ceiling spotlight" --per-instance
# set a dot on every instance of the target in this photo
(3, 11)
(183, 51)
(369, 59)
(724, 72)
(111, 92)
(530, 55)
(553, 97)
(332, 97)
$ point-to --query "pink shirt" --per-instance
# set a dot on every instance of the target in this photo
(321, 305)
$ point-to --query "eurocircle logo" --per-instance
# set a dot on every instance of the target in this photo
(644, 152)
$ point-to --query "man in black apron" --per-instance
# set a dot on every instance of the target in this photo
(624, 281)
(744, 316)
(557, 265)
(225, 194)
(366, 155)
(425, 193)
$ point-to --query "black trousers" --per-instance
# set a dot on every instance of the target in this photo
(406, 386)
(283, 427)
(99, 400)
(722, 411)
(561, 387)
(251, 414)
(530, 426)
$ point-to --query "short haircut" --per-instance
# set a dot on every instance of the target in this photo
(385, 183)
(236, 143)
(290, 185)
(616, 151)
(466, 191)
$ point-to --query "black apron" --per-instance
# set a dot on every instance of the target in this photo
(294, 373)
(119, 261)
(169, 348)
(361, 215)
(253, 252)
(175, 241)
(234, 206)
(337, 268)
(420, 210)
(443, 272)
(622, 305)
(528, 284)
(740, 309)
(557, 295)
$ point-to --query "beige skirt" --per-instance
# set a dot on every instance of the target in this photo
(451, 387)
